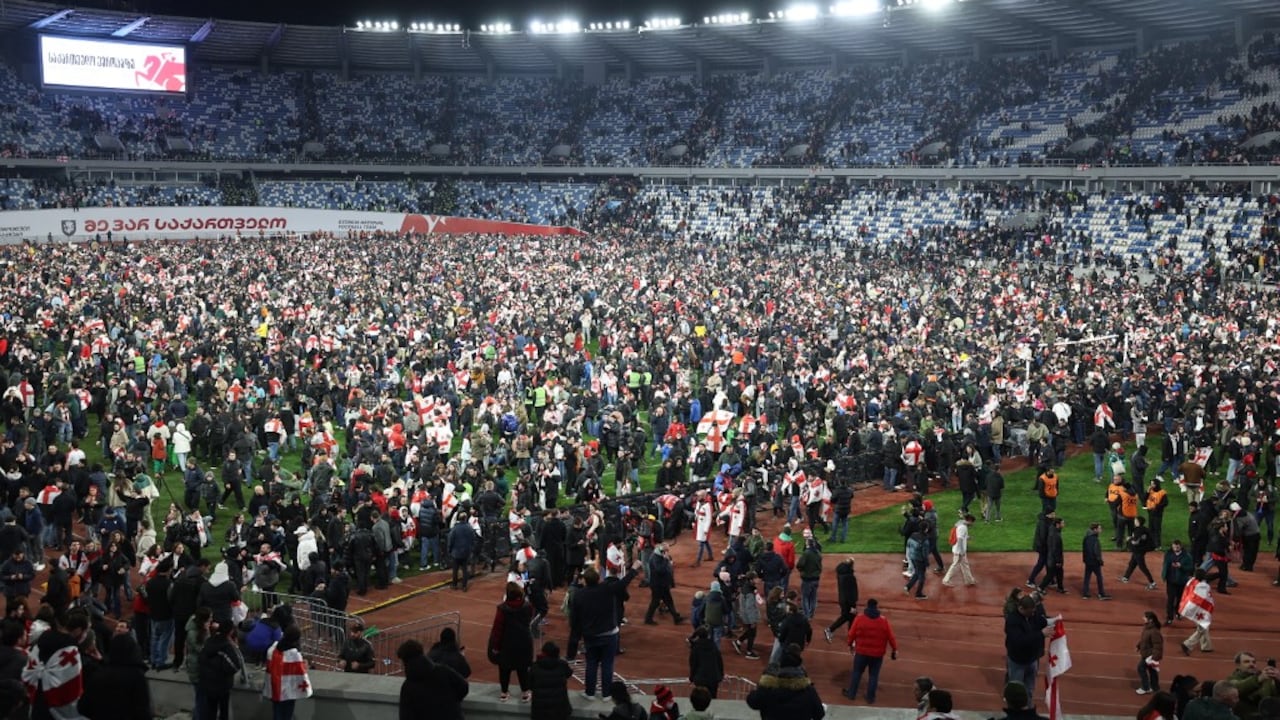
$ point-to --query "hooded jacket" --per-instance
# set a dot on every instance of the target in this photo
(306, 546)
(431, 685)
(786, 693)
(846, 586)
(218, 593)
(119, 688)
(548, 679)
(870, 634)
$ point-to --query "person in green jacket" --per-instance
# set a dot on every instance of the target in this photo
(1252, 684)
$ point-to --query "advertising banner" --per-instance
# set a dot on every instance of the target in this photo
(68, 62)
(142, 223)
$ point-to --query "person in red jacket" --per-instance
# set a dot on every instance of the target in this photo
(786, 548)
(869, 637)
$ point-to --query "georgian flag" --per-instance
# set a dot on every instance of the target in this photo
(515, 526)
(448, 499)
(1202, 456)
(1059, 658)
(1197, 603)
(1102, 416)
(47, 495)
(408, 530)
(59, 678)
(1226, 410)
(286, 676)
(714, 425)
(746, 425)
(1055, 377)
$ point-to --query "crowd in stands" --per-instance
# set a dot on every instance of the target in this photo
(1183, 103)
(1178, 228)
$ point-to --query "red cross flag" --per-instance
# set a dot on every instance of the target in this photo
(1102, 416)
(1197, 603)
(286, 676)
(58, 678)
(714, 425)
(1059, 663)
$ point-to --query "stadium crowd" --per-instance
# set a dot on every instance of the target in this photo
(461, 374)
(1193, 102)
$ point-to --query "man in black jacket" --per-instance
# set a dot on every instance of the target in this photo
(1024, 632)
(661, 580)
(554, 537)
(771, 568)
(1053, 557)
(184, 595)
(593, 617)
(1091, 552)
(847, 595)
(360, 551)
(841, 501)
(159, 601)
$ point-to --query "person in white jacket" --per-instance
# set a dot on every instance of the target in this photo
(182, 445)
(960, 554)
(306, 546)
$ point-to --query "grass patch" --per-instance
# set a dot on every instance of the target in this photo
(1081, 501)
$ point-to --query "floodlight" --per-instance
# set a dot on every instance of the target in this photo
(855, 8)
(801, 11)
(934, 4)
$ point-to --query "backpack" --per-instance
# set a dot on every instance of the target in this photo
(714, 616)
(955, 535)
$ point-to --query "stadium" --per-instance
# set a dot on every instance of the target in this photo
(390, 315)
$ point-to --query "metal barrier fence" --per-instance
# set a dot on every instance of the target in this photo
(732, 687)
(425, 630)
(324, 630)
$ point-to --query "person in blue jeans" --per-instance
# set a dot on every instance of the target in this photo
(593, 616)
(870, 636)
(1025, 629)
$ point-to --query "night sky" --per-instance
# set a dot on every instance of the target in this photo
(471, 13)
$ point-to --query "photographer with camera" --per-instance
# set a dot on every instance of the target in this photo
(1253, 683)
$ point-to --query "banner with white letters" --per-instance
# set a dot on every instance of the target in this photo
(146, 223)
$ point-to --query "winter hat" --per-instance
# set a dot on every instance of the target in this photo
(715, 586)
(928, 504)
(1234, 507)
(663, 695)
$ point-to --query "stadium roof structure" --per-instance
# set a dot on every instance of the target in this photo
(889, 31)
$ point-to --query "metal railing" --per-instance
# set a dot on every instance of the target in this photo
(732, 687)
(425, 630)
(324, 629)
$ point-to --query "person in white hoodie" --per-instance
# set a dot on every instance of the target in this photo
(306, 546)
(181, 445)
(960, 554)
